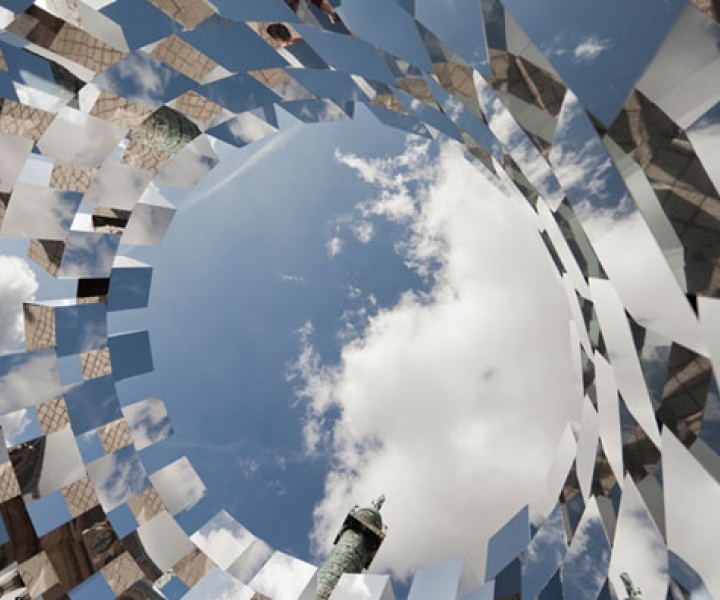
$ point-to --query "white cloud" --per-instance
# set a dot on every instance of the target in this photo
(18, 284)
(590, 48)
(334, 246)
(352, 323)
(363, 231)
(249, 466)
(393, 176)
(446, 404)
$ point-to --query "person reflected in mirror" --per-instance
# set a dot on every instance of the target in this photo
(281, 34)
(323, 5)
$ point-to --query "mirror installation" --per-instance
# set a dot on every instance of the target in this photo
(615, 148)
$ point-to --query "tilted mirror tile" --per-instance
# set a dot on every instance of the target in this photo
(92, 403)
(178, 497)
(285, 576)
(247, 565)
(84, 254)
(39, 212)
(80, 138)
(506, 544)
(117, 477)
(16, 150)
(163, 540)
(46, 464)
(363, 587)
(218, 584)
(130, 354)
(545, 553)
(28, 379)
(448, 580)
(20, 426)
(636, 530)
(148, 421)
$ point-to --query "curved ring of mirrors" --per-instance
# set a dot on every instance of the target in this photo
(112, 102)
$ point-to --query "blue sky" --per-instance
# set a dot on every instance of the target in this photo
(599, 48)
(249, 263)
(238, 275)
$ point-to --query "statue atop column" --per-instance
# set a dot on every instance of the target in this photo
(354, 548)
(633, 591)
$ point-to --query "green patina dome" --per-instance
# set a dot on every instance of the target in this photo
(370, 515)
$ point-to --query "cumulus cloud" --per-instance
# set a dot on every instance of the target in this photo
(445, 403)
(18, 284)
(590, 48)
